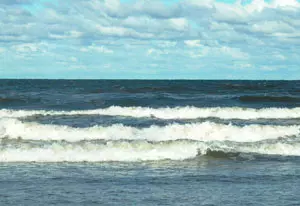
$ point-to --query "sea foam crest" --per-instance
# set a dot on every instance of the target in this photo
(205, 131)
(125, 151)
(170, 113)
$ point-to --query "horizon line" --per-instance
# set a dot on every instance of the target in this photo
(149, 79)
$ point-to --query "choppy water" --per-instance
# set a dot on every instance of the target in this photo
(132, 142)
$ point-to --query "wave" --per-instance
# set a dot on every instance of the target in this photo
(169, 113)
(132, 151)
(92, 152)
(205, 131)
(263, 98)
(252, 86)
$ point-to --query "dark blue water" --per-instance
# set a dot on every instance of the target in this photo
(91, 94)
(133, 142)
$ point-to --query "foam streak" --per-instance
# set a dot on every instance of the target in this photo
(170, 113)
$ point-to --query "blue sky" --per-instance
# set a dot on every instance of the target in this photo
(150, 39)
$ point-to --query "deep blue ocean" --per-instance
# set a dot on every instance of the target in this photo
(145, 142)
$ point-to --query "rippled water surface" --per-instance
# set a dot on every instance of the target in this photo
(129, 142)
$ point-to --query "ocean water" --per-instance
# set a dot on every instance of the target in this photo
(132, 142)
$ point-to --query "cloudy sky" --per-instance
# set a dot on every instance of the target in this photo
(150, 39)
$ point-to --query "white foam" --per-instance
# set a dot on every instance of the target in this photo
(170, 113)
(206, 131)
(124, 151)
(278, 148)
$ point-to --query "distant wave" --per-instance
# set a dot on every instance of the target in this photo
(253, 86)
(262, 98)
(138, 150)
(206, 131)
(170, 113)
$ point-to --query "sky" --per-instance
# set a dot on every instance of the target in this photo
(150, 39)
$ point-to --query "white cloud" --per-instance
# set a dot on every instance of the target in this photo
(180, 24)
(121, 32)
(256, 6)
(112, 5)
(230, 13)
(286, 3)
(66, 35)
(192, 43)
(202, 3)
(233, 52)
(243, 65)
(196, 55)
(30, 47)
(257, 33)
(76, 67)
(166, 44)
(186, 19)
(279, 56)
(156, 52)
(269, 68)
(84, 49)
(100, 49)
(223, 51)
(271, 27)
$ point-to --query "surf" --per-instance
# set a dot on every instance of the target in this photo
(205, 131)
(139, 150)
(188, 112)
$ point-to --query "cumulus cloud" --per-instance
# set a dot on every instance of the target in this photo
(208, 32)
(30, 47)
(94, 48)
(152, 52)
(180, 24)
(192, 43)
(66, 35)
(150, 19)
(218, 52)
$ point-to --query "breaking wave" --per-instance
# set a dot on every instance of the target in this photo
(170, 113)
(205, 131)
(132, 151)
(22, 141)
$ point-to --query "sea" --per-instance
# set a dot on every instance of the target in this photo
(149, 142)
